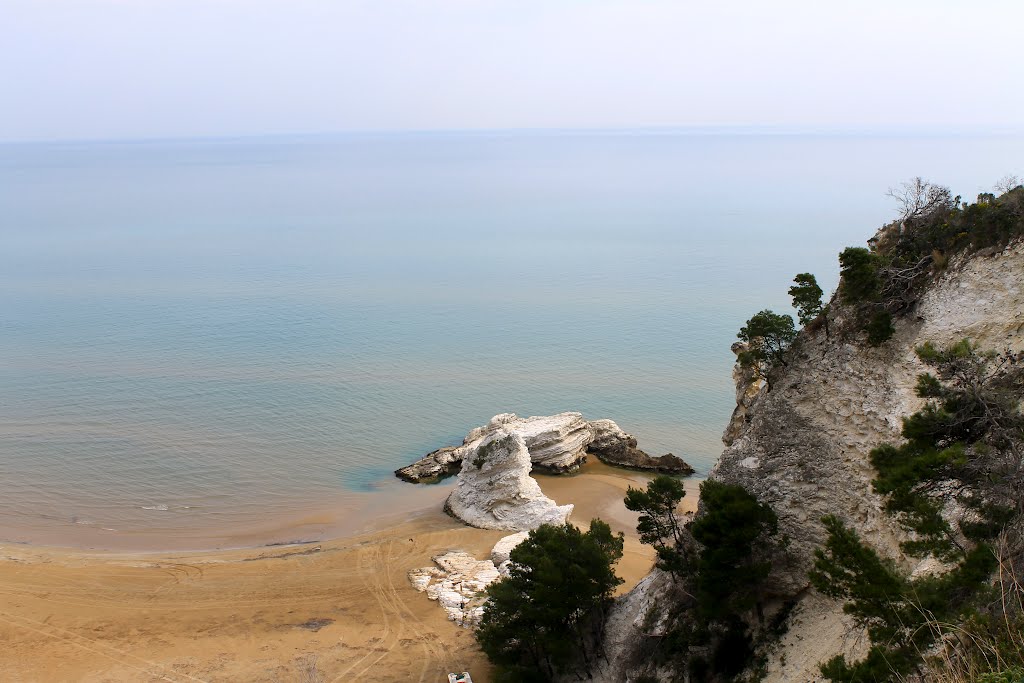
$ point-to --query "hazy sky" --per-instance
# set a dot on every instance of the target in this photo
(153, 68)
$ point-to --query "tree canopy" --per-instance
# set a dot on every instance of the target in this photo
(659, 526)
(730, 576)
(767, 336)
(541, 620)
(806, 297)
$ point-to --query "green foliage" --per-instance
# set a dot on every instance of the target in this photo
(847, 567)
(1012, 675)
(768, 336)
(965, 439)
(729, 577)
(951, 442)
(889, 278)
(859, 271)
(540, 619)
(806, 298)
(879, 328)
(724, 570)
(658, 525)
(895, 611)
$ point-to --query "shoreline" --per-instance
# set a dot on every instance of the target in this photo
(342, 606)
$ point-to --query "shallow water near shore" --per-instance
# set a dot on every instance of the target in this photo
(234, 342)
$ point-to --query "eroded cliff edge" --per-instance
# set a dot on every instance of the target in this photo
(803, 447)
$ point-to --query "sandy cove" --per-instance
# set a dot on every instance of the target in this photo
(342, 608)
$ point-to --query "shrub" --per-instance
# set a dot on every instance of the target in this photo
(541, 619)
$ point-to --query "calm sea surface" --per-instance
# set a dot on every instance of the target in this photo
(206, 336)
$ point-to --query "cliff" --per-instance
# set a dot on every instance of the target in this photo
(802, 447)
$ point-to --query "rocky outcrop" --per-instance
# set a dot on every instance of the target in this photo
(433, 466)
(556, 443)
(502, 551)
(495, 490)
(803, 447)
(615, 447)
(458, 580)
(748, 386)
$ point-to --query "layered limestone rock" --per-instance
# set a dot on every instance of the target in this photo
(501, 554)
(433, 466)
(557, 443)
(748, 386)
(613, 446)
(457, 580)
(803, 448)
(495, 490)
(457, 583)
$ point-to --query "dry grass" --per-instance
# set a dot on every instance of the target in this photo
(984, 653)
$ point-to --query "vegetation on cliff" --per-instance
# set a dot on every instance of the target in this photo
(956, 483)
(719, 565)
(957, 486)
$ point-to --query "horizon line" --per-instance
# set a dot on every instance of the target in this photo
(691, 129)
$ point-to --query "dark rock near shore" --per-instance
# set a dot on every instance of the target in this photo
(612, 446)
(432, 467)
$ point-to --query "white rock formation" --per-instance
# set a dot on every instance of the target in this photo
(502, 550)
(458, 580)
(557, 443)
(457, 583)
(495, 489)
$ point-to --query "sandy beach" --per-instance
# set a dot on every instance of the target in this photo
(330, 611)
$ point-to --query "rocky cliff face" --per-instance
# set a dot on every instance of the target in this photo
(803, 449)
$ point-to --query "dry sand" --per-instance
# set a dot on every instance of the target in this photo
(334, 611)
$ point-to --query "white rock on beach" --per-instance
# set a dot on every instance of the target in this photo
(457, 583)
(502, 550)
(495, 490)
(458, 580)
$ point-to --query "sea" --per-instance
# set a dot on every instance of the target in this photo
(216, 342)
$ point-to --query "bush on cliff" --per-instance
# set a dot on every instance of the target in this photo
(722, 571)
(964, 445)
(543, 619)
(730, 574)
(767, 336)
(888, 279)
(659, 525)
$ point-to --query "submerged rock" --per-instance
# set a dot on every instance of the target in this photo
(495, 489)
(556, 443)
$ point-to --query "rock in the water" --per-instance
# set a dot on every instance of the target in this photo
(495, 489)
(613, 446)
(557, 443)
(433, 466)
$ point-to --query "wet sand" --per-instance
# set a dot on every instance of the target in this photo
(331, 611)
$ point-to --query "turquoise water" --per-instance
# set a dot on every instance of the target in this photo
(211, 333)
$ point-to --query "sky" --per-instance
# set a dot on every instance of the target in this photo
(101, 69)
